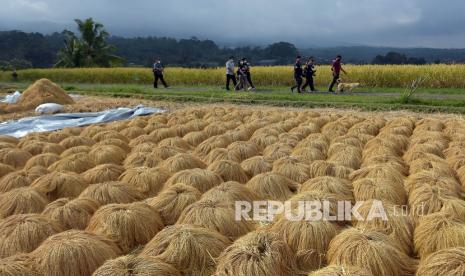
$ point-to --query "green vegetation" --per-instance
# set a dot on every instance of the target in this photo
(90, 49)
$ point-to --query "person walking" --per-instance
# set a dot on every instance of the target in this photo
(336, 68)
(247, 73)
(242, 76)
(158, 69)
(14, 75)
(309, 73)
(298, 73)
(230, 76)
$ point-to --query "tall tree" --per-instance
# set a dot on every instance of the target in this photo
(90, 49)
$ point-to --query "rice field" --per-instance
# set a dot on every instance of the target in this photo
(156, 195)
(399, 76)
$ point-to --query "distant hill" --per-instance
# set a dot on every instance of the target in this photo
(19, 48)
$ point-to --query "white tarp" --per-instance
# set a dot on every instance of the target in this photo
(21, 127)
(11, 98)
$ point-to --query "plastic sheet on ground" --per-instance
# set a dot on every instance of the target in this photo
(24, 126)
(11, 98)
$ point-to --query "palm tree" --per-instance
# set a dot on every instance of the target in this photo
(90, 49)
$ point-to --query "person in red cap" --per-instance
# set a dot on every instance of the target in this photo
(336, 68)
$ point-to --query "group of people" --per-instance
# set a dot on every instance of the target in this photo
(308, 71)
(244, 78)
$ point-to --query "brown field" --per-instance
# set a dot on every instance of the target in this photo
(155, 195)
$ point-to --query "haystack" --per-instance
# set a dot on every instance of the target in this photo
(107, 154)
(136, 266)
(164, 153)
(162, 133)
(38, 147)
(428, 199)
(182, 161)
(14, 180)
(19, 265)
(14, 157)
(378, 171)
(222, 154)
(196, 137)
(230, 192)
(256, 165)
(177, 142)
(191, 249)
(257, 253)
(78, 163)
(109, 134)
(75, 141)
(148, 181)
(112, 192)
(399, 225)
(24, 233)
(229, 171)
(114, 142)
(244, 150)
(202, 180)
(204, 148)
(57, 136)
(74, 252)
(5, 169)
(438, 231)
(173, 200)
(129, 225)
(45, 160)
(381, 189)
(396, 162)
(103, 173)
(308, 239)
(133, 132)
(278, 150)
(371, 250)
(444, 262)
(24, 200)
(292, 168)
(329, 184)
(433, 179)
(42, 91)
(341, 270)
(144, 147)
(71, 213)
(141, 159)
(9, 139)
(273, 186)
(75, 150)
(60, 184)
(325, 168)
(218, 216)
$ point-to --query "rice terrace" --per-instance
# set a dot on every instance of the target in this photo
(136, 155)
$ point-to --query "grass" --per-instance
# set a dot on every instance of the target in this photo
(424, 99)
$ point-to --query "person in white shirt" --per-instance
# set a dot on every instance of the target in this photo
(230, 75)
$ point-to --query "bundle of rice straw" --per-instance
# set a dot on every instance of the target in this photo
(173, 200)
(24, 200)
(449, 261)
(24, 233)
(74, 252)
(202, 180)
(129, 225)
(191, 249)
(137, 266)
(148, 181)
(257, 253)
(71, 213)
(60, 184)
(215, 215)
(112, 192)
(273, 186)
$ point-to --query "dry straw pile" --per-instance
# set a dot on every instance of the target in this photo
(157, 194)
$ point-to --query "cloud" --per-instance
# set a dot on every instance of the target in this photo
(305, 22)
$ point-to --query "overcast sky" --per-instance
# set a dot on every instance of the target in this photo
(405, 23)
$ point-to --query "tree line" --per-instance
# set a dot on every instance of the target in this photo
(92, 46)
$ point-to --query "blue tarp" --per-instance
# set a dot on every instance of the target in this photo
(21, 127)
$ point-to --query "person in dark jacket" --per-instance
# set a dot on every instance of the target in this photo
(298, 74)
(158, 69)
(309, 73)
(14, 75)
(247, 73)
(336, 68)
